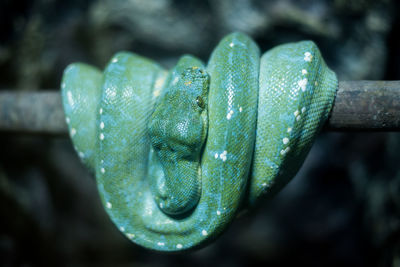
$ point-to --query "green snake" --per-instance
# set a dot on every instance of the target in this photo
(178, 153)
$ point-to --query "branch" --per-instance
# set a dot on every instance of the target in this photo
(359, 106)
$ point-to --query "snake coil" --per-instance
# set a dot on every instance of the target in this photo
(178, 153)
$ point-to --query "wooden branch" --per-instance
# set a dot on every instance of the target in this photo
(359, 106)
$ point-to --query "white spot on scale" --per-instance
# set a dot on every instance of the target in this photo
(229, 115)
(240, 109)
(114, 60)
(122, 229)
(231, 44)
(101, 125)
(284, 151)
(289, 129)
(218, 212)
(264, 184)
(73, 132)
(303, 110)
(100, 111)
(296, 113)
(298, 118)
(63, 85)
(223, 155)
(67, 120)
(216, 155)
(160, 243)
(158, 84)
(175, 80)
(108, 205)
(285, 140)
(130, 236)
(111, 92)
(102, 161)
(156, 92)
(102, 170)
(147, 210)
(179, 246)
(308, 56)
(303, 83)
(204, 232)
(304, 71)
(101, 136)
(81, 154)
(70, 99)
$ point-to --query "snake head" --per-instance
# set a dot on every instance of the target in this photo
(178, 130)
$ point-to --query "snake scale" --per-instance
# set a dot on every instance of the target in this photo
(178, 153)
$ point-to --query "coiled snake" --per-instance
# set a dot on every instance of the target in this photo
(178, 153)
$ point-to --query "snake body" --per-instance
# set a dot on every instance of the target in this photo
(178, 153)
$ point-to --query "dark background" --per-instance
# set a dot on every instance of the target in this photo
(343, 207)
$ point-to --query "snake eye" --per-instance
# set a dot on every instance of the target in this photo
(157, 147)
(200, 102)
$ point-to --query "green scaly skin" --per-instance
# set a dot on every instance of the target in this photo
(172, 151)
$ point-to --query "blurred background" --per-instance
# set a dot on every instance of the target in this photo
(343, 207)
